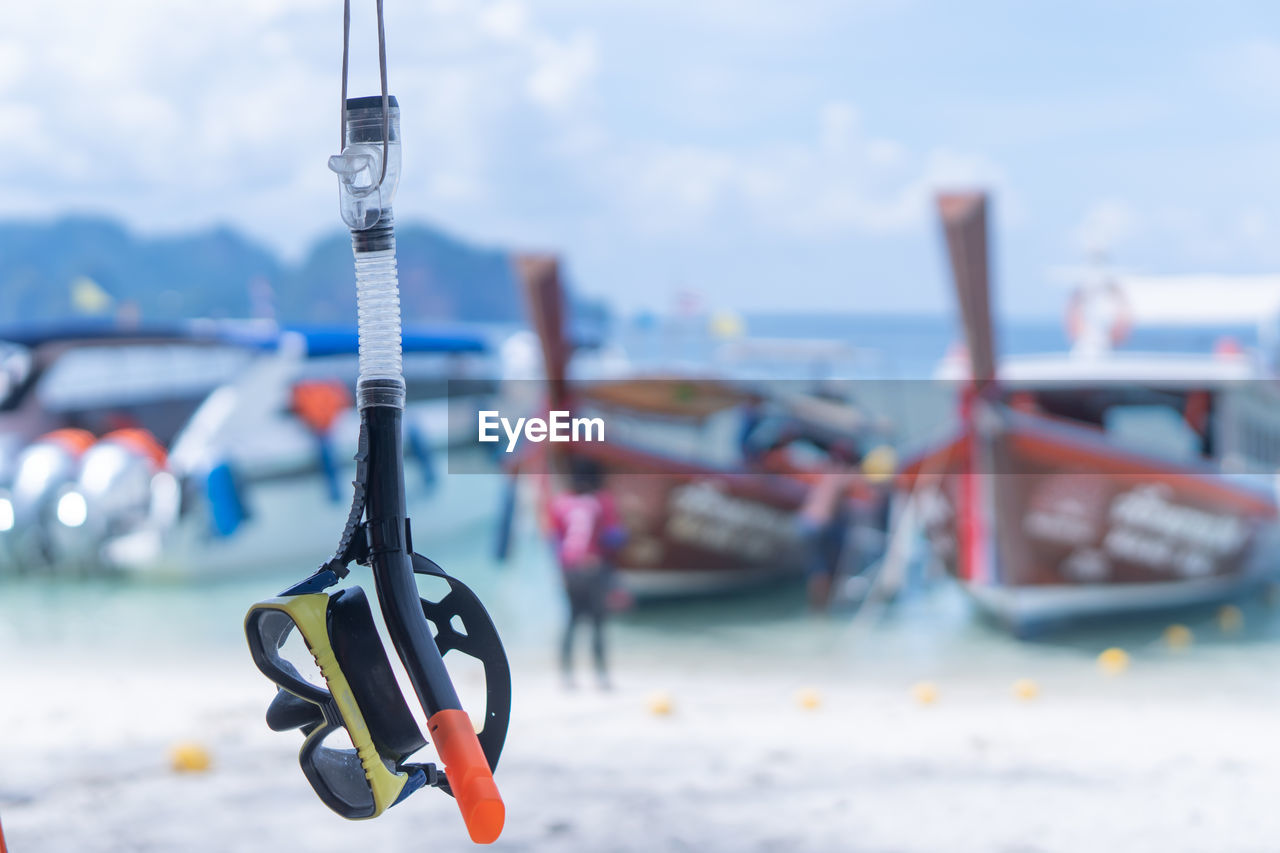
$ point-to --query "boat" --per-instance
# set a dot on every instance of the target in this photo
(208, 449)
(1100, 481)
(700, 519)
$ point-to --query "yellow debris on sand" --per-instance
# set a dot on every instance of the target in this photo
(1113, 661)
(1025, 689)
(809, 699)
(189, 757)
(1230, 619)
(661, 704)
(925, 692)
(1178, 637)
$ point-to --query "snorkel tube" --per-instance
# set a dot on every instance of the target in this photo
(356, 690)
(372, 128)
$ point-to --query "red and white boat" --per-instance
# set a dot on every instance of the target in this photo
(699, 519)
(1099, 482)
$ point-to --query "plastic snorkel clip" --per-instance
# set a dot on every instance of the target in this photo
(368, 168)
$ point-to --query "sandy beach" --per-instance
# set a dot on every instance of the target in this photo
(906, 376)
(1175, 754)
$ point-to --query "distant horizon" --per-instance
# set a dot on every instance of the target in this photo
(944, 311)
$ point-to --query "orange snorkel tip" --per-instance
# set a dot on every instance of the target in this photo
(469, 775)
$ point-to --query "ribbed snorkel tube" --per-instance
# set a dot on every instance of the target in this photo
(381, 381)
(372, 164)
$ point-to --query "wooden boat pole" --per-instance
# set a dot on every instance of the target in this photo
(982, 500)
(540, 278)
(964, 224)
(988, 507)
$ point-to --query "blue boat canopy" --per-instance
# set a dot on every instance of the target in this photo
(340, 340)
(265, 335)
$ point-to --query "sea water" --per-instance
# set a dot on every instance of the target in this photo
(933, 624)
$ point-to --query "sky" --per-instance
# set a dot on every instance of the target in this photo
(765, 155)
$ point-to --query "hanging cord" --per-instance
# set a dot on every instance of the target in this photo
(382, 74)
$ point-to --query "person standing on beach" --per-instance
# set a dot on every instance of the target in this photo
(585, 530)
(823, 523)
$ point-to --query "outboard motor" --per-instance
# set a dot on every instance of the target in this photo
(9, 450)
(110, 497)
(43, 469)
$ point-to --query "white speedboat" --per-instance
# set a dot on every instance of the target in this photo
(211, 450)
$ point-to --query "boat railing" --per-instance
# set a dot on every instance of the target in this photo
(1248, 423)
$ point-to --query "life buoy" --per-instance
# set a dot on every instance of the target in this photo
(1121, 319)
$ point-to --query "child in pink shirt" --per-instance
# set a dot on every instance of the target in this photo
(585, 530)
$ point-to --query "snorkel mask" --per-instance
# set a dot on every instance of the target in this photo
(368, 774)
(336, 685)
(322, 648)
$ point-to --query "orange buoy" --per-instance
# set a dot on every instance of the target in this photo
(319, 402)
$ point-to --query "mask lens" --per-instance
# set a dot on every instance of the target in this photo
(283, 654)
(338, 776)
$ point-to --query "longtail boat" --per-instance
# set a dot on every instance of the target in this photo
(1099, 481)
(699, 519)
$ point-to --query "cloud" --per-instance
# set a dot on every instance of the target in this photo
(561, 67)
(1179, 238)
(1249, 71)
(562, 70)
(1105, 226)
(175, 112)
(841, 179)
(533, 124)
(13, 63)
(1246, 237)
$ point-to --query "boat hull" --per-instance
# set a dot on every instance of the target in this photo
(293, 525)
(1046, 522)
(1027, 609)
(693, 531)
